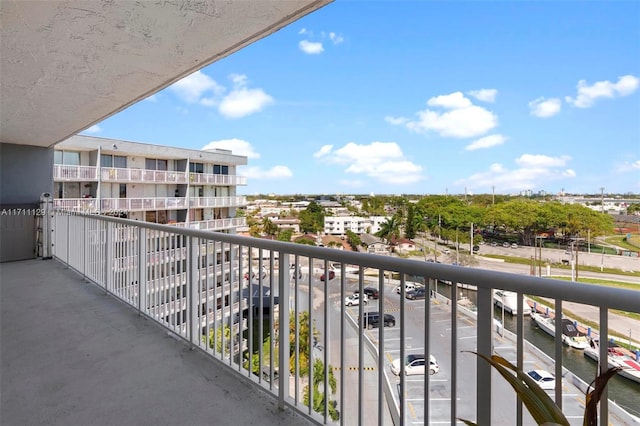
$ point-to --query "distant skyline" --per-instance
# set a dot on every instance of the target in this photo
(419, 98)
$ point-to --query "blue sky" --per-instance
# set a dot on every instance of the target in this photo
(419, 97)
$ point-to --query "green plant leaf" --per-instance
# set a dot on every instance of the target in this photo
(593, 397)
(541, 407)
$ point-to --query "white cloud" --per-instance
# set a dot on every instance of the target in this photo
(303, 31)
(486, 142)
(152, 98)
(461, 120)
(93, 129)
(310, 47)
(396, 120)
(531, 160)
(531, 172)
(335, 38)
(242, 102)
(453, 101)
(383, 161)
(545, 108)
(236, 146)
(276, 172)
(587, 95)
(239, 102)
(627, 166)
(484, 95)
(193, 87)
(325, 150)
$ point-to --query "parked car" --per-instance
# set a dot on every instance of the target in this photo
(514, 245)
(409, 286)
(418, 293)
(494, 244)
(371, 292)
(415, 364)
(506, 244)
(476, 249)
(543, 378)
(332, 275)
(446, 251)
(372, 319)
(355, 299)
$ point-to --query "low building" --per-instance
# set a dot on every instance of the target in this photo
(374, 244)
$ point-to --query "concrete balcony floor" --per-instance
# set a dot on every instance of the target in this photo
(71, 355)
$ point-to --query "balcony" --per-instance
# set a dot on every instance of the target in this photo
(50, 315)
(214, 224)
(203, 202)
(117, 205)
(63, 173)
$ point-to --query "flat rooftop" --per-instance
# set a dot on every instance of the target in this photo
(72, 355)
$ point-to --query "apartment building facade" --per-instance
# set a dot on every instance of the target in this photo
(159, 184)
(164, 185)
(339, 225)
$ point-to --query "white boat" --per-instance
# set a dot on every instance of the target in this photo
(616, 357)
(570, 334)
(509, 299)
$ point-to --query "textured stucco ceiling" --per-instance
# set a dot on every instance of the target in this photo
(66, 65)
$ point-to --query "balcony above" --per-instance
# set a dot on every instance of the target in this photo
(116, 205)
(214, 224)
(65, 173)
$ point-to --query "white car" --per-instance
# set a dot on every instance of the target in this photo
(355, 299)
(415, 364)
(543, 378)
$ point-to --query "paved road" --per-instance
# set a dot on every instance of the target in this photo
(620, 324)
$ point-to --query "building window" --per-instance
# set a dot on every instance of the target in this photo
(155, 164)
(108, 160)
(220, 169)
(196, 167)
(68, 158)
(123, 190)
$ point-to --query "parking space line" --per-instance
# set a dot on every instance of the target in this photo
(389, 357)
(467, 337)
(411, 410)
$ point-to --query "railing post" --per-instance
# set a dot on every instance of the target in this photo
(603, 357)
(108, 261)
(142, 270)
(193, 252)
(283, 330)
(485, 343)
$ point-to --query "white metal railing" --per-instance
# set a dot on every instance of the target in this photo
(198, 202)
(276, 351)
(213, 224)
(212, 179)
(113, 174)
(63, 172)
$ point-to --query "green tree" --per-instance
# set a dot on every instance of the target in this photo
(215, 338)
(312, 218)
(284, 235)
(354, 240)
(389, 229)
(320, 399)
(268, 227)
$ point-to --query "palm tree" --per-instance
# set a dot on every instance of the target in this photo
(389, 229)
